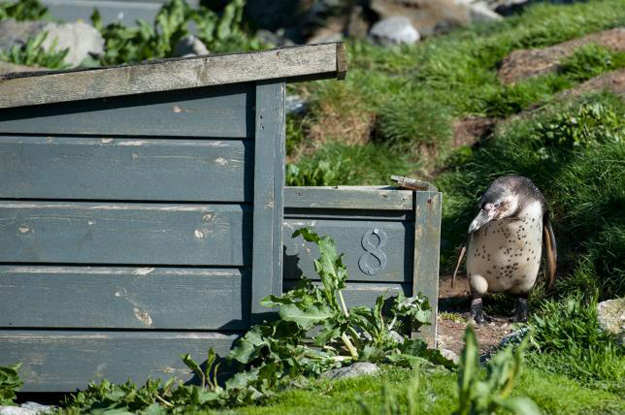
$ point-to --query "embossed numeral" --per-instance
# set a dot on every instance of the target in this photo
(374, 259)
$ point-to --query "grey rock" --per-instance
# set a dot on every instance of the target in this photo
(295, 104)
(29, 408)
(448, 354)
(514, 338)
(428, 17)
(81, 39)
(611, 317)
(354, 370)
(393, 31)
(7, 67)
(397, 337)
(274, 38)
(13, 33)
(325, 36)
(190, 46)
(480, 12)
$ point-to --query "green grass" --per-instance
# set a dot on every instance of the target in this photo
(573, 149)
(553, 393)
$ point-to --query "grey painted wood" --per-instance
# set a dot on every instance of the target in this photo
(222, 111)
(382, 256)
(278, 184)
(427, 251)
(124, 298)
(268, 202)
(64, 361)
(357, 293)
(351, 197)
(311, 61)
(125, 169)
(124, 233)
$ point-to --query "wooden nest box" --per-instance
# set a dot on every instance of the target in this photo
(142, 214)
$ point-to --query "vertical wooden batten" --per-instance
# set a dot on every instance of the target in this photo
(268, 194)
(428, 207)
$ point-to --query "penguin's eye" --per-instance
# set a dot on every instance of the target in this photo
(496, 205)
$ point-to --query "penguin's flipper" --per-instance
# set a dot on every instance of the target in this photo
(551, 250)
(463, 249)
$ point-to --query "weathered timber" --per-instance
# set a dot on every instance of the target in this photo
(268, 194)
(365, 294)
(380, 251)
(124, 298)
(427, 253)
(35, 88)
(352, 197)
(124, 233)
(64, 361)
(216, 112)
(36, 167)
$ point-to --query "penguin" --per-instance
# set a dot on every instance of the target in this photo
(505, 242)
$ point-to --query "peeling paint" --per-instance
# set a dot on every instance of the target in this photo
(143, 271)
(199, 234)
(106, 140)
(24, 229)
(143, 316)
(221, 161)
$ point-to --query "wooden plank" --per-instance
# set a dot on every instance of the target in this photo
(124, 233)
(427, 250)
(64, 361)
(374, 250)
(357, 294)
(125, 169)
(124, 298)
(224, 112)
(268, 202)
(351, 197)
(312, 61)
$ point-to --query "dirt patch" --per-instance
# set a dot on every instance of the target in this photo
(6, 67)
(454, 315)
(613, 82)
(469, 131)
(527, 63)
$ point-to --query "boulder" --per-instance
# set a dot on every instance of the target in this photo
(611, 317)
(448, 354)
(428, 17)
(393, 31)
(81, 39)
(190, 46)
(28, 408)
(14, 33)
(6, 67)
(354, 370)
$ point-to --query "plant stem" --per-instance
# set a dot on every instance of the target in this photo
(345, 310)
(164, 402)
(350, 346)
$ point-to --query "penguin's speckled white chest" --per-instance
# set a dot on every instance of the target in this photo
(505, 255)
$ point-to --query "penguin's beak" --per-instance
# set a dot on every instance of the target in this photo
(482, 218)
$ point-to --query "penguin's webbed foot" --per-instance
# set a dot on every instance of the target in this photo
(521, 310)
(477, 313)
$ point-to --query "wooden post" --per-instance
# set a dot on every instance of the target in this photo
(268, 194)
(426, 257)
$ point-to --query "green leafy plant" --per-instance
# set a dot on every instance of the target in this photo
(32, 53)
(10, 383)
(143, 41)
(314, 331)
(483, 397)
(23, 10)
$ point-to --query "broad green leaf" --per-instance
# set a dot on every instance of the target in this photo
(305, 318)
(520, 406)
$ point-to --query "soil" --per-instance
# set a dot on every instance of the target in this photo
(454, 304)
(613, 82)
(527, 63)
